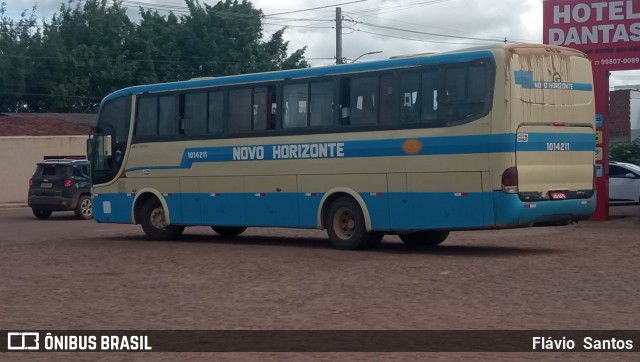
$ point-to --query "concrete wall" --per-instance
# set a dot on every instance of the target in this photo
(19, 155)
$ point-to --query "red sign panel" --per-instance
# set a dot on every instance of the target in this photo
(607, 31)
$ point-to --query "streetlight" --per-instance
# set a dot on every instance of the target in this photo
(369, 53)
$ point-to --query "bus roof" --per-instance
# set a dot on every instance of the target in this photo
(396, 62)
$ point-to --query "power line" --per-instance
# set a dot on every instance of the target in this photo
(414, 39)
(319, 7)
(424, 32)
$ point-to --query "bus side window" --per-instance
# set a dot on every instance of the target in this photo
(345, 99)
(388, 99)
(240, 110)
(364, 103)
(264, 112)
(465, 91)
(193, 114)
(409, 86)
(430, 89)
(295, 103)
(321, 104)
(215, 116)
(166, 116)
(147, 117)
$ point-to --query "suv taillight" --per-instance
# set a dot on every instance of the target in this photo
(30, 182)
(510, 180)
(68, 183)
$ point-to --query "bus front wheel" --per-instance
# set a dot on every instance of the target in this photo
(346, 226)
(425, 238)
(154, 222)
(229, 231)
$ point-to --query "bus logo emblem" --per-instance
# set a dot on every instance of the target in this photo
(523, 137)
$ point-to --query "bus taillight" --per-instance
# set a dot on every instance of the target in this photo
(510, 180)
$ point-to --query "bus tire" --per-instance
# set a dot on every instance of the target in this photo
(426, 238)
(41, 214)
(229, 231)
(83, 209)
(346, 226)
(154, 222)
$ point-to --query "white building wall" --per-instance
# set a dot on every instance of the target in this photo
(19, 155)
(634, 118)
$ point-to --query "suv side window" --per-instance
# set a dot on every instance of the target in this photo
(617, 171)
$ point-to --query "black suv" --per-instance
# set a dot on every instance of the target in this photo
(61, 185)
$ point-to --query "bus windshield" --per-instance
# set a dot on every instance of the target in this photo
(108, 141)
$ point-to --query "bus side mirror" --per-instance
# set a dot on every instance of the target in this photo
(90, 148)
(105, 145)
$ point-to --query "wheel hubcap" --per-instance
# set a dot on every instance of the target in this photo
(157, 218)
(344, 223)
(86, 208)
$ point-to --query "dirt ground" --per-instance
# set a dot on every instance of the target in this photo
(62, 273)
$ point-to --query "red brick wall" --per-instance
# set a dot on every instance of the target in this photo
(618, 123)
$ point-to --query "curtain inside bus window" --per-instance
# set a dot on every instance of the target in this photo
(363, 102)
(388, 99)
(264, 112)
(216, 112)
(295, 99)
(430, 89)
(167, 116)
(240, 110)
(147, 118)
(195, 115)
(409, 86)
(321, 104)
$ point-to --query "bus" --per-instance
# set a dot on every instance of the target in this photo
(414, 146)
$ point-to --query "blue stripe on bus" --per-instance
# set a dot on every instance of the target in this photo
(304, 73)
(449, 145)
(525, 79)
(392, 211)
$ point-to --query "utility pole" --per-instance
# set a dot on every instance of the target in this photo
(339, 35)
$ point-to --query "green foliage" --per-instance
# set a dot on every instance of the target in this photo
(68, 64)
(626, 152)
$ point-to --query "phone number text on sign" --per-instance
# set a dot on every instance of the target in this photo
(614, 61)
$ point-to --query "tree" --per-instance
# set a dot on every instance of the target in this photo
(86, 47)
(91, 49)
(19, 51)
(626, 152)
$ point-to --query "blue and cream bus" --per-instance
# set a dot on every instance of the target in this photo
(415, 146)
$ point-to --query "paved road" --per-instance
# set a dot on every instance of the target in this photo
(64, 273)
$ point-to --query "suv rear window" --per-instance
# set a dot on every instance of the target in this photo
(53, 170)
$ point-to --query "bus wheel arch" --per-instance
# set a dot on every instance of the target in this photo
(345, 223)
(334, 194)
(142, 198)
(152, 215)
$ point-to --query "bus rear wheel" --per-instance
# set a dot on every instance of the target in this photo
(154, 222)
(229, 231)
(346, 226)
(423, 239)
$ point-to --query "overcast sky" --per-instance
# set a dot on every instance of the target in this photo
(391, 26)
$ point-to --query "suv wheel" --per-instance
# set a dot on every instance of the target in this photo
(41, 214)
(83, 209)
